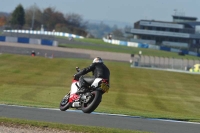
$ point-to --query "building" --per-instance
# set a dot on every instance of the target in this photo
(183, 32)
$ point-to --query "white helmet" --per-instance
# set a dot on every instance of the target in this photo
(97, 60)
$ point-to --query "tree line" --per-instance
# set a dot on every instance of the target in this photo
(33, 18)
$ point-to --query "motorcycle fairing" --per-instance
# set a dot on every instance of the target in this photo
(74, 87)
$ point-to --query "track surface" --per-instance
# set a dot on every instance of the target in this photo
(98, 119)
(59, 52)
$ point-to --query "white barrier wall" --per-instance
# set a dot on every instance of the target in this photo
(115, 42)
(192, 53)
(11, 39)
(175, 50)
(45, 33)
(140, 45)
(28, 41)
(154, 47)
(55, 43)
(35, 41)
(132, 44)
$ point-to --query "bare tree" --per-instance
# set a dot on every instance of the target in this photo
(33, 18)
(118, 33)
(51, 19)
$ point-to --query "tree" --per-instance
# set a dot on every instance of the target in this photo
(51, 18)
(99, 30)
(74, 19)
(55, 20)
(18, 17)
(117, 33)
(33, 15)
(2, 21)
(75, 24)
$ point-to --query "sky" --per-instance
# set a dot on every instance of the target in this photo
(128, 11)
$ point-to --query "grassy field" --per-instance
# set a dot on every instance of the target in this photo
(60, 127)
(42, 82)
(100, 45)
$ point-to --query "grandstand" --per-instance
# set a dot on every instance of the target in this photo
(182, 33)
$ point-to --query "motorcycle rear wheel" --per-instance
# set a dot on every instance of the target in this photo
(93, 103)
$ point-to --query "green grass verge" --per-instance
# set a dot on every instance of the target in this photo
(42, 82)
(58, 126)
(98, 44)
(92, 40)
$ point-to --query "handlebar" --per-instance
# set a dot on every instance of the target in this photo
(78, 69)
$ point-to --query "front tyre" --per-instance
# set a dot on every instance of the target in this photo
(93, 102)
(64, 104)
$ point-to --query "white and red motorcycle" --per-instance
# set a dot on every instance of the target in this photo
(88, 101)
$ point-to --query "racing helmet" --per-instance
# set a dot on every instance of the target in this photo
(97, 60)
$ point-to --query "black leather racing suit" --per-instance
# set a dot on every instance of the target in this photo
(99, 70)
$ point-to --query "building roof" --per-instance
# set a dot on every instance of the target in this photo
(191, 24)
(184, 17)
(157, 21)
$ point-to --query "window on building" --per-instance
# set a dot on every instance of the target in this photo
(163, 29)
(149, 28)
(176, 30)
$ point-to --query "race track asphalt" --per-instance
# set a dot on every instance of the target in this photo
(98, 119)
(60, 52)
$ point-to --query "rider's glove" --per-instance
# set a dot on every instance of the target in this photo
(76, 76)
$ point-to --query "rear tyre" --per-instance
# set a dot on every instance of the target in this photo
(93, 102)
(64, 104)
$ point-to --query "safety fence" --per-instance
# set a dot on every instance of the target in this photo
(141, 45)
(163, 62)
(28, 40)
(44, 33)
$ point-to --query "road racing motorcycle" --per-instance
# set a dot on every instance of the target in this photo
(88, 101)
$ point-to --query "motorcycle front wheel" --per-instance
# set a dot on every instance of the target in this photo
(64, 104)
(93, 102)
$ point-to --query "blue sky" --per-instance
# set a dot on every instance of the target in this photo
(128, 11)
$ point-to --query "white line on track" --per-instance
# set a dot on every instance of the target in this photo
(120, 115)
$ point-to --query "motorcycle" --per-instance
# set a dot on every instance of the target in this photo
(88, 101)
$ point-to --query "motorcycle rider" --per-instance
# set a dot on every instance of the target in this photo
(98, 69)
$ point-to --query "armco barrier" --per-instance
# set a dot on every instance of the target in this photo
(35, 41)
(165, 48)
(140, 45)
(123, 43)
(132, 44)
(154, 47)
(45, 33)
(23, 40)
(2, 38)
(175, 50)
(28, 40)
(185, 51)
(192, 53)
(11, 39)
(47, 42)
